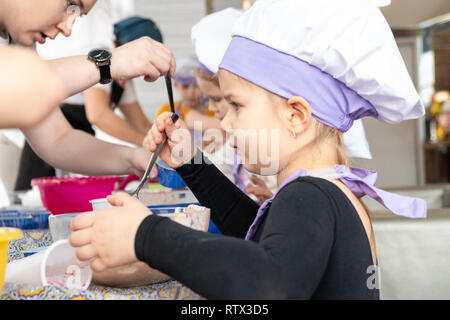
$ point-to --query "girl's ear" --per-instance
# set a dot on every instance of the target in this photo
(298, 114)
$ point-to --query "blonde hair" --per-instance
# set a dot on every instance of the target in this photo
(208, 77)
(325, 132)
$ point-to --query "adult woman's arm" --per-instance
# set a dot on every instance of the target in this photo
(55, 141)
(101, 115)
(28, 87)
(142, 57)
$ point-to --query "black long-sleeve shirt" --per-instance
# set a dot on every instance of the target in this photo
(310, 245)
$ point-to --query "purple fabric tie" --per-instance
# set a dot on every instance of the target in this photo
(361, 182)
(237, 172)
(332, 102)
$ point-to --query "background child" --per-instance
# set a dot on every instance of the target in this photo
(210, 37)
(192, 106)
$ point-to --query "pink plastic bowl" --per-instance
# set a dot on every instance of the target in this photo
(68, 195)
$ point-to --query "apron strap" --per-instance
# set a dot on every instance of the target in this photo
(362, 182)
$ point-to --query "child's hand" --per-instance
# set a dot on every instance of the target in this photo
(259, 189)
(107, 237)
(179, 147)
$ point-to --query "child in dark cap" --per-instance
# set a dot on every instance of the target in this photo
(136, 27)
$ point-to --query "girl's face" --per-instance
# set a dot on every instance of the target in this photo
(191, 94)
(31, 21)
(255, 126)
(217, 103)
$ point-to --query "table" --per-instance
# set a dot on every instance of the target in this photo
(32, 240)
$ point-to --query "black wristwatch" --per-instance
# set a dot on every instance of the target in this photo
(102, 59)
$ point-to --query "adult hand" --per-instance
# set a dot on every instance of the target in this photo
(142, 57)
(259, 189)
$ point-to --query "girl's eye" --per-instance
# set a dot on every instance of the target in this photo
(236, 106)
(216, 100)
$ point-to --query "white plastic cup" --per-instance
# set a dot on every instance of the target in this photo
(60, 225)
(100, 204)
(56, 266)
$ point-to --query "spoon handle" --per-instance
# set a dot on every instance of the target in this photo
(155, 155)
(150, 166)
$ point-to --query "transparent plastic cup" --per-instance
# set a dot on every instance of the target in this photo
(100, 204)
(56, 266)
(6, 235)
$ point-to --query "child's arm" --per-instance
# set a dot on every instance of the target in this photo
(232, 211)
(288, 261)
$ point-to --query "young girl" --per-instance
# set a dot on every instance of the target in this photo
(313, 239)
(211, 37)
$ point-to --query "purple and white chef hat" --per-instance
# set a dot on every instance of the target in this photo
(340, 55)
(211, 37)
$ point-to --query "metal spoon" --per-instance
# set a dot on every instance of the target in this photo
(150, 165)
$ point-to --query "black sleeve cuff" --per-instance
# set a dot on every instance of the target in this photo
(197, 162)
(142, 239)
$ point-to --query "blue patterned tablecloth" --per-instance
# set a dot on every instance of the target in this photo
(36, 240)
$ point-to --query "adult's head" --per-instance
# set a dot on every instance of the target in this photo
(30, 21)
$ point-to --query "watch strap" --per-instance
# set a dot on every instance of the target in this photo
(105, 73)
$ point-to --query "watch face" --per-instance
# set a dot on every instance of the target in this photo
(99, 55)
